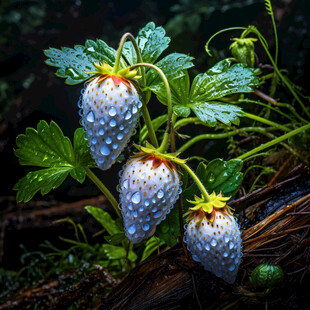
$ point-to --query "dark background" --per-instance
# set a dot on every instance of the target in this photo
(30, 91)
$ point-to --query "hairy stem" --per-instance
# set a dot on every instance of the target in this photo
(275, 141)
(104, 190)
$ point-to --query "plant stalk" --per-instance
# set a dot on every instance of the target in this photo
(104, 190)
(266, 121)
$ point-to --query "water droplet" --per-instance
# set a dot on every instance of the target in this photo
(128, 195)
(136, 197)
(101, 132)
(115, 146)
(121, 127)
(90, 117)
(232, 255)
(199, 247)
(128, 116)
(154, 209)
(125, 184)
(128, 213)
(146, 227)
(130, 206)
(207, 246)
(92, 148)
(113, 122)
(160, 194)
(120, 136)
(135, 213)
(126, 130)
(225, 254)
(139, 104)
(134, 109)
(211, 177)
(231, 245)
(132, 229)
(226, 239)
(147, 203)
(213, 242)
(101, 121)
(101, 160)
(231, 267)
(104, 150)
(153, 200)
(141, 209)
(90, 132)
(158, 214)
(93, 140)
(112, 111)
(108, 140)
(113, 157)
(148, 218)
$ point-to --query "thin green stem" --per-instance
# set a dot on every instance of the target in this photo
(266, 121)
(275, 141)
(145, 112)
(104, 190)
(293, 111)
(165, 142)
(197, 181)
(186, 121)
(222, 136)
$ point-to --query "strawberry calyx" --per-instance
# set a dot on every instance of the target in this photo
(105, 71)
(207, 209)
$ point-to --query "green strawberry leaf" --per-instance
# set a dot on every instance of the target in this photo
(105, 219)
(219, 176)
(223, 79)
(169, 229)
(150, 246)
(115, 239)
(151, 40)
(117, 252)
(47, 147)
(173, 66)
(73, 63)
(212, 112)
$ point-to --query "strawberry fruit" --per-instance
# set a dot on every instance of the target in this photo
(215, 243)
(149, 186)
(110, 111)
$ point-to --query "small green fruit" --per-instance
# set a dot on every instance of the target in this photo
(243, 50)
(266, 276)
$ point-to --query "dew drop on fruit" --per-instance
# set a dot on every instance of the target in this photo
(121, 127)
(128, 116)
(120, 136)
(90, 117)
(136, 197)
(154, 209)
(108, 140)
(231, 267)
(199, 247)
(132, 229)
(112, 111)
(225, 254)
(115, 146)
(160, 194)
(104, 150)
(101, 121)
(139, 104)
(93, 140)
(101, 132)
(226, 239)
(213, 242)
(135, 213)
(90, 132)
(146, 227)
(134, 109)
(113, 122)
(207, 246)
(141, 209)
(231, 245)
(92, 148)
(147, 203)
(101, 160)
(130, 206)
(125, 184)
(158, 214)
(147, 218)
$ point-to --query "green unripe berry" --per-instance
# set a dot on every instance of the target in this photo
(243, 51)
(266, 276)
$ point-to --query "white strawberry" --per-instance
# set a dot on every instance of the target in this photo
(149, 186)
(215, 241)
(110, 110)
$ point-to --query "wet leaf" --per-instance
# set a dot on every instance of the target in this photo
(73, 63)
(47, 147)
(219, 176)
(221, 80)
(212, 112)
(115, 239)
(105, 219)
(173, 66)
(169, 229)
(151, 40)
(150, 246)
(117, 252)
